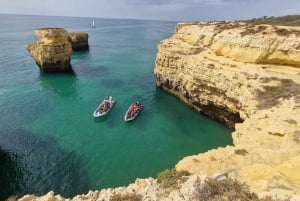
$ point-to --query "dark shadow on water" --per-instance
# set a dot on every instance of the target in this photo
(59, 71)
(81, 49)
(112, 83)
(11, 179)
(81, 54)
(69, 71)
(87, 69)
(21, 111)
(65, 85)
(85, 63)
(130, 123)
(145, 81)
(35, 164)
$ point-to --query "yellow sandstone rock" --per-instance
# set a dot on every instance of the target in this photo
(290, 170)
(248, 77)
(53, 50)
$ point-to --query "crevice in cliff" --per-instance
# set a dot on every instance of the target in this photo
(202, 101)
(222, 115)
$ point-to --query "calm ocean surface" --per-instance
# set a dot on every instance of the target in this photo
(49, 139)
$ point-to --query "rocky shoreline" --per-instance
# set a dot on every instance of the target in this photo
(247, 76)
(244, 75)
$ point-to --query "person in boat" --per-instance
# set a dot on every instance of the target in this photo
(107, 105)
(138, 105)
(101, 109)
(129, 113)
(133, 111)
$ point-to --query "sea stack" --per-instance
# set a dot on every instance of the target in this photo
(79, 40)
(52, 52)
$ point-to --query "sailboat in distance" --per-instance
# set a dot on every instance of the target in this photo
(93, 26)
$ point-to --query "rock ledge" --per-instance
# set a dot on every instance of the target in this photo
(248, 77)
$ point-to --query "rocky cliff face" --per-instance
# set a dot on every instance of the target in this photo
(247, 76)
(53, 50)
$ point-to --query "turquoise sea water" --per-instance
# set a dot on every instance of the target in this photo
(49, 139)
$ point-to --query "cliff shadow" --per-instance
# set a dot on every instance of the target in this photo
(58, 71)
(81, 52)
(10, 178)
(65, 85)
(35, 164)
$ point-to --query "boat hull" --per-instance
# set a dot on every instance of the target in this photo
(105, 103)
(128, 116)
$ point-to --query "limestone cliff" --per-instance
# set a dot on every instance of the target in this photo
(247, 76)
(53, 50)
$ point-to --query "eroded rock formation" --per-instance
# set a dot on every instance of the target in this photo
(79, 40)
(53, 50)
(247, 76)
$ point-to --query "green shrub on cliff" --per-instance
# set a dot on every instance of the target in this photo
(288, 20)
(171, 178)
(227, 189)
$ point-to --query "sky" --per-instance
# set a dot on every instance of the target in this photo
(174, 10)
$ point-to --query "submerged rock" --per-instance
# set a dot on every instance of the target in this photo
(52, 53)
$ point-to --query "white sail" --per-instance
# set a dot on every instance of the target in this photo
(93, 24)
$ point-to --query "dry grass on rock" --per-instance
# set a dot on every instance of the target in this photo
(227, 190)
(171, 178)
(126, 197)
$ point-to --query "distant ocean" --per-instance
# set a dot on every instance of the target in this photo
(49, 139)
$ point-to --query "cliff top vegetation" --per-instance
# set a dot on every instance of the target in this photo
(288, 20)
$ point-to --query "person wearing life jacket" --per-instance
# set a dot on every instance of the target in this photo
(132, 111)
(101, 109)
(107, 105)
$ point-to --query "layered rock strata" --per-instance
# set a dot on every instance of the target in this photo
(53, 50)
(247, 76)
